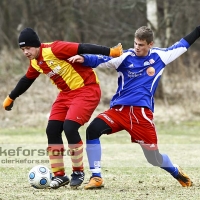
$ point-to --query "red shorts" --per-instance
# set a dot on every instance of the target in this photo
(138, 121)
(76, 105)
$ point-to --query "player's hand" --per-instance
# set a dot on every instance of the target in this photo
(76, 58)
(116, 50)
(8, 103)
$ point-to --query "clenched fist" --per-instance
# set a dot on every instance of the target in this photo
(8, 103)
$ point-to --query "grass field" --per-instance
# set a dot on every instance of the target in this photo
(126, 173)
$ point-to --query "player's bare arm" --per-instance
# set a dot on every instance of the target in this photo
(76, 58)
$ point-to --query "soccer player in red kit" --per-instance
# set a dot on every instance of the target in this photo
(79, 96)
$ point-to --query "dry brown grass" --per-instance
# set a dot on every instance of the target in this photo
(126, 173)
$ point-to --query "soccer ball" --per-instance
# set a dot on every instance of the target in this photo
(39, 177)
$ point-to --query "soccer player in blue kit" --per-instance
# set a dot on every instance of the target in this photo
(131, 108)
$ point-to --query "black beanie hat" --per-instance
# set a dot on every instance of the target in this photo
(28, 37)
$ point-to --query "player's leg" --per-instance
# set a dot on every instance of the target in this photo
(93, 149)
(75, 146)
(145, 131)
(163, 161)
(56, 148)
(83, 103)
(103, 124)
(55, 152)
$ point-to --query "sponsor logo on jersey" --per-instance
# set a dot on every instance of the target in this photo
(150, 71)
(146, 63)
(100, 56)
(152, 61)
(55, 71)
(50, 62)
(131, 66)
(134, 74)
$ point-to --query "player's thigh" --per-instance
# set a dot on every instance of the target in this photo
(97, 128)
(144, 131)
(59, 109)
(83, 105)
(112, 119)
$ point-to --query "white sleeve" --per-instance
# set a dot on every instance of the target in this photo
(115, 62)
(168, 55)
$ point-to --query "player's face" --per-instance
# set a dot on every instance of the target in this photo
(31, 52)
(141, 47)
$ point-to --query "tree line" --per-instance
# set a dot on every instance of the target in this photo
(103, 22)
(107, 23)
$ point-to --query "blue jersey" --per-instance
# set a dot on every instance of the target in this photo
(138, 76)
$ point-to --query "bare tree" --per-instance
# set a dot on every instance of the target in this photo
(107, 23)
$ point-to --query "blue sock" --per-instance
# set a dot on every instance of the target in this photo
(168, 166)
(93, 149)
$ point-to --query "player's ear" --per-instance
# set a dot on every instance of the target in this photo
(151, 44)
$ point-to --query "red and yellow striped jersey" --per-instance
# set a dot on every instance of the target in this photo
(52, 61)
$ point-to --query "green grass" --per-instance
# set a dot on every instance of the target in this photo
(126, 173)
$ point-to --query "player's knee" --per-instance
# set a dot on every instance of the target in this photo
(92, 132)
(53, 131)
(96, 129)
(71, 131)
